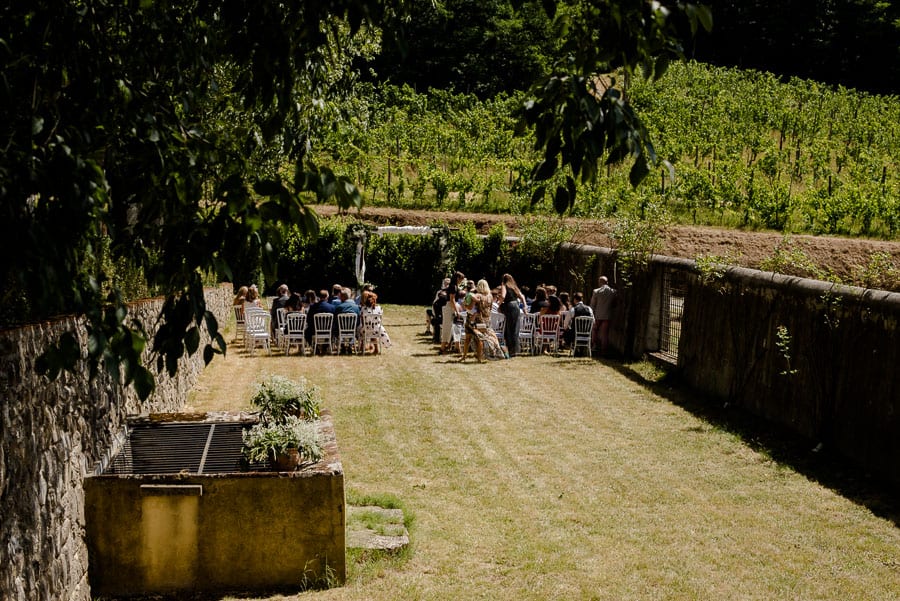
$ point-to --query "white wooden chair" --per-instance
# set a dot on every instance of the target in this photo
(280, 322)
(457, 333)
(249, 310)
(322, 323)
(296, 333)
(258, 332)
(583, 326)
(239, 322)
(346, 333)
(548, 333)
(370, 332)
(526, 332)
(498, 324)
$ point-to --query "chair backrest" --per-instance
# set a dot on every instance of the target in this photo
(372, 324)
(583, 325)
(296, 323)
(526, 323)
(280, 313)
(239, 314)
(498, 321)
(322, 323)
(347, 322)
(257, 322)
(550, 325)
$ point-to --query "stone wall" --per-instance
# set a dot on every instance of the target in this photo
(840, 387)
(53, 434)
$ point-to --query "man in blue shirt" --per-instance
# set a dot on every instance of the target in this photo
(319, 306)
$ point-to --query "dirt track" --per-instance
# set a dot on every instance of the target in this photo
(842, 256)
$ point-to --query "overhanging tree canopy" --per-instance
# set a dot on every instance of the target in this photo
(146, 126)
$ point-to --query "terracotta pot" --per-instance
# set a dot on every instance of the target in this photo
(287, 461)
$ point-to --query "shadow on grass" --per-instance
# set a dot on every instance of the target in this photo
(776, 442)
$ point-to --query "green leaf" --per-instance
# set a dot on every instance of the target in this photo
(143, 382)
(545, 170)
(268, 187)
(538, 195)
(639, 171)
(561, 200)
(192, 340)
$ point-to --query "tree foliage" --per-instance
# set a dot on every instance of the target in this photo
(854, 43)
(177, 134)
(580, 116)
(119, 122)
(480, 47)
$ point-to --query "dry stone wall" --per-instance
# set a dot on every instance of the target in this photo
(52, 434)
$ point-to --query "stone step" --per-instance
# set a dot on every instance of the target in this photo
(386, 534)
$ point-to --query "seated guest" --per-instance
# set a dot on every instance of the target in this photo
(579, 309)
(241, 297)
(345, 304)
(335, 294)
(280, 302)
(370, 307)
(316, 305)
(553, 306)
(253, 296)
(540, 300)
(365, 288)
(294, 303)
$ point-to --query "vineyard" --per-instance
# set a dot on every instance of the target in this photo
(747, 150)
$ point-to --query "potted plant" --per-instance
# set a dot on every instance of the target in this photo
(286, 444)
(278, 397)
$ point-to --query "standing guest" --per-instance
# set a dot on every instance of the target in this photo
(450, 311)
(478, 324)
(602, 301)
(241, 297)
(437, 310)
(511, 301)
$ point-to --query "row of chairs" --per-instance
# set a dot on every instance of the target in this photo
(538, 332)
(254, 324)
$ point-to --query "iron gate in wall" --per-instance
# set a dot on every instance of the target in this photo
(674, 287)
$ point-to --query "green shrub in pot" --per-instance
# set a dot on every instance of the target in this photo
(277, 397)
(267, 441)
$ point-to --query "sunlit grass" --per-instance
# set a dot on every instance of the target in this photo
(559, 478)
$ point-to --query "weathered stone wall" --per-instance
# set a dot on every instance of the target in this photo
(832, 377)
(840, 387)
(52, 434)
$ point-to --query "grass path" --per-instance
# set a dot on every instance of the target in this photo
(558, 478)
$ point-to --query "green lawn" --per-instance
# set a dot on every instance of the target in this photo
(558, 478)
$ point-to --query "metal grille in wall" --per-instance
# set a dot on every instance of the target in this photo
(672, 310)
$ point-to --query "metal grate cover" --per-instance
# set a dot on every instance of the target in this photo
(172, 448)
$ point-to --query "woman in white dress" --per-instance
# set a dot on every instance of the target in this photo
(370, 306)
